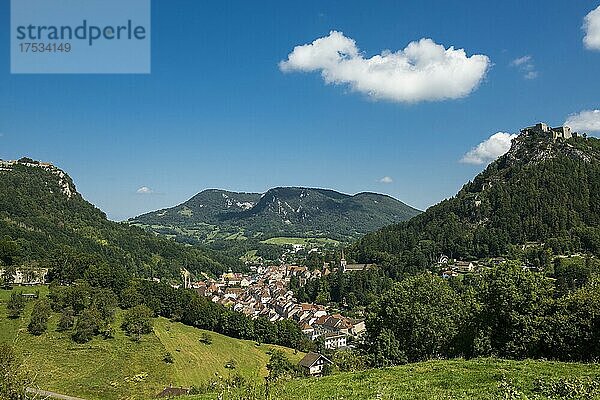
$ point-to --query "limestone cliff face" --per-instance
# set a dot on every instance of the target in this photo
(65, 183)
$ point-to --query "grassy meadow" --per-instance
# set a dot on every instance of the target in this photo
(120, 368)
(283, 241)
(483, 379)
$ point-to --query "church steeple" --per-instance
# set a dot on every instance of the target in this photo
(343, 262)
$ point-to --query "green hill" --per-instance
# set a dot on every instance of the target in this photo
(541, 193)
(280, 212)
(485, 379)
(120, 368)
(44, 221)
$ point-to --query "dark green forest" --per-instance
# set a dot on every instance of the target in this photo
(506, 312)
(540, 193)
(41, 226)
(286, 211)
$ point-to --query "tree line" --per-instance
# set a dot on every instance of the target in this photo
(506, 312)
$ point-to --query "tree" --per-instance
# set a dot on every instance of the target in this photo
(15, 305)
(105, 301)
(77, 296)
(87, 326)
(8, 274)
(130, 296)
(67, 320)
(279, 366)
(9, 252)
(418, 319)
(39, 317)
(137, 321)
(511, 311)
(349, 361)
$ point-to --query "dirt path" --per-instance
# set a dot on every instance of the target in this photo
(51, 395)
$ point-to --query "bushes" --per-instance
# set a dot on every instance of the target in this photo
(206, 338)
(14, 379)
(67, 320)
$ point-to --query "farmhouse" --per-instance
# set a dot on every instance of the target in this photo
(313, 363)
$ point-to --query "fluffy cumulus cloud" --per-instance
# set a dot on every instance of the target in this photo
(591, 25)
(386, 179)
(490, 149)
(423, 71)
(585, 121)
(144, 190)
(526, 65)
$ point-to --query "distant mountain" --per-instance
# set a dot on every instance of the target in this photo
(44, 221)
(283, 211)
(543, 194)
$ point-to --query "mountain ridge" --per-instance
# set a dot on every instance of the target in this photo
(279, 211)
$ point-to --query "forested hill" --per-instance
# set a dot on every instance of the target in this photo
(540, 191)
(284, 211)
(45, 222)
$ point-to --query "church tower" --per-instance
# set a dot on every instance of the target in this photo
(343, 262)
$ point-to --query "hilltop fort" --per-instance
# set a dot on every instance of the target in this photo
(561, 132)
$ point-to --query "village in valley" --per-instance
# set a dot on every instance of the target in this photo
(265, 292)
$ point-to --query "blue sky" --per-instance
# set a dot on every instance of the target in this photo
(218, 112)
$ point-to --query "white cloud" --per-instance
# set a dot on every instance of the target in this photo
(423, 71)
(591, 25)
(144, 190)
(386, 179)
(585, 121)
(521, 60)
(490, 149)
(526, 65)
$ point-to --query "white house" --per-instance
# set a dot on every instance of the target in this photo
(335, 340)
(314, 363)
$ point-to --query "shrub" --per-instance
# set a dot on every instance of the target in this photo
(206, 338)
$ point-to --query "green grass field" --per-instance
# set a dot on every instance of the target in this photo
(120, 368)
(282, 241)
(432, 380)
(197, 362)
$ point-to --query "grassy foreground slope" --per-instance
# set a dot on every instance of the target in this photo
(431, 380)
(120, 368)
(196, 362)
